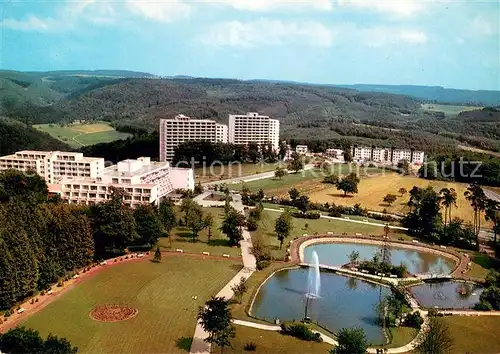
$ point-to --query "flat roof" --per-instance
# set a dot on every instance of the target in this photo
(152, 166)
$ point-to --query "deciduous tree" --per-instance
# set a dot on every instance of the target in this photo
(350, 341)
(283, 227)
(215, 318)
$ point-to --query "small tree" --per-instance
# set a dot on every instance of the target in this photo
(331, 179)
(350, 341)
(209, 222)
(297, 163)
(438, 339)
(157, 256)
(349, 184)
(283, 227)
(294, 194)
(280, 173)
(390, 198)
(404, 167)
(167, 218)
(239, 289)
(402, 191)
(353, 257)
(232, 224)
(252, 224)
(302, 203)
(215, 318)
(194, 220)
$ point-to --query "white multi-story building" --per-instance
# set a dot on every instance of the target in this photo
(361, 153)
(221, 133)
(254, 128)
(379, 155)
(53, 166)
(417, 157)
(182, 128)
(301, 149)
(141, 180)
(398, 155)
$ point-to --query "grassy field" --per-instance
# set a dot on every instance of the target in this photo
(77, 135)
(306, 181)
(181, 238)
(161, 292)
(320, 226)
(449, 110)
(217, 173)
(474, 334)
(271, 342)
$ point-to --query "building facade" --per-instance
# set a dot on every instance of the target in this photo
(253, 128)
(141, 180)
(301, 149)
(53, 166)
(182, 128)
(389, 155)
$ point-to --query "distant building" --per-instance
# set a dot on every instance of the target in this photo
(175, 131)
(143, 181)
(387, 155)
(53, 165)
(254, 128)
(301, 149)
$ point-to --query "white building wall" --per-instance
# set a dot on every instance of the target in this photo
(253, 128)
(222, 133)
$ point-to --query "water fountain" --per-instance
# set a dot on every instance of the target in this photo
(313, 284)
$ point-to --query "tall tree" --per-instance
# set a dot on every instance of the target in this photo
(168, 218)
(475, 195)
(209, 223)
(232, 226)
(492, 213)
(350, 341)
(283, 227)
(215, 318)
(294, 194)
(438, 339)
(297, 163)
(195, 220)
(302, 203)
(22, 186)
(25, 340)
(424, 218)
(448, 200)
(148, 224)
(114, 226)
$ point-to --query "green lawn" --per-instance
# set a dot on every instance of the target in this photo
(77, 135)
(320, 226)
(236, 170)
(181, 238)
(474, 334)
(449, 110)
(305, 181)
(272, 342)
(161, 292)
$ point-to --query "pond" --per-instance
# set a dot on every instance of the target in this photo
(343, 301)
(447, 295)
(337, 254)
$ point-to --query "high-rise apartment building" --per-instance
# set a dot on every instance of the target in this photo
(53, 165)
(182, 128)
(387, 155)
(253, 128)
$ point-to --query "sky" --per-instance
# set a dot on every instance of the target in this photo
(450, 43)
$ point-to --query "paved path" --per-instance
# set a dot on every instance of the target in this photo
(199, 345)
(349, 220)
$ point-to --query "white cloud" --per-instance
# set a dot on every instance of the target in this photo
(160, 10)
(271, 5)
(399, 8)
(267, 32)
(483, 25)
(384, 36)
(31, 23)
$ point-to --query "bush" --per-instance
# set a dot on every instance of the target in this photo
(300, 331)
(483, 306)
(252, 224)
(308, 215)
(250, 347)
(414, 320)
(263, 264)
(60, 283)
(7, 313)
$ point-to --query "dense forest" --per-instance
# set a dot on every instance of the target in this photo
(42, 241)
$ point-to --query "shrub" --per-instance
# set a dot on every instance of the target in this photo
(32, 301)
(36, 300)
(308, 215)
(301, 331)
(263, 264)
(250, 347)
(1, 321)
(483, 306)
(252, 224)
(42, 292)
(414, 320)
(7, 313)
(116, 260)
(60, 283)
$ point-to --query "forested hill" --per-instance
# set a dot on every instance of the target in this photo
(15, 136)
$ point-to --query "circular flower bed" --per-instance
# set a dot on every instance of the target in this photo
(112, 313)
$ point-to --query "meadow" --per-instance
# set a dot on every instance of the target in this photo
(162, 292)
(237, 170)
(474, 334)
(448, 110)
(82, 134)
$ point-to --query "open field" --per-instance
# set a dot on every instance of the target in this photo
(320, 226)
(449, 110)
(218, 172)
(474, 334)
(308, 180)
(272, 342)
(181, 238)
(162, 292)
(481, 151)
(77, 135)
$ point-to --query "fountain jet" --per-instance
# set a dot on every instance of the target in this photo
(313, 284)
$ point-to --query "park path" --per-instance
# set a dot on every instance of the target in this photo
(199, 346)
(348, 220)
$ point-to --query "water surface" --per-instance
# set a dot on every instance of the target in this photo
(343, 302)
(447, 295)
(337, 254)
